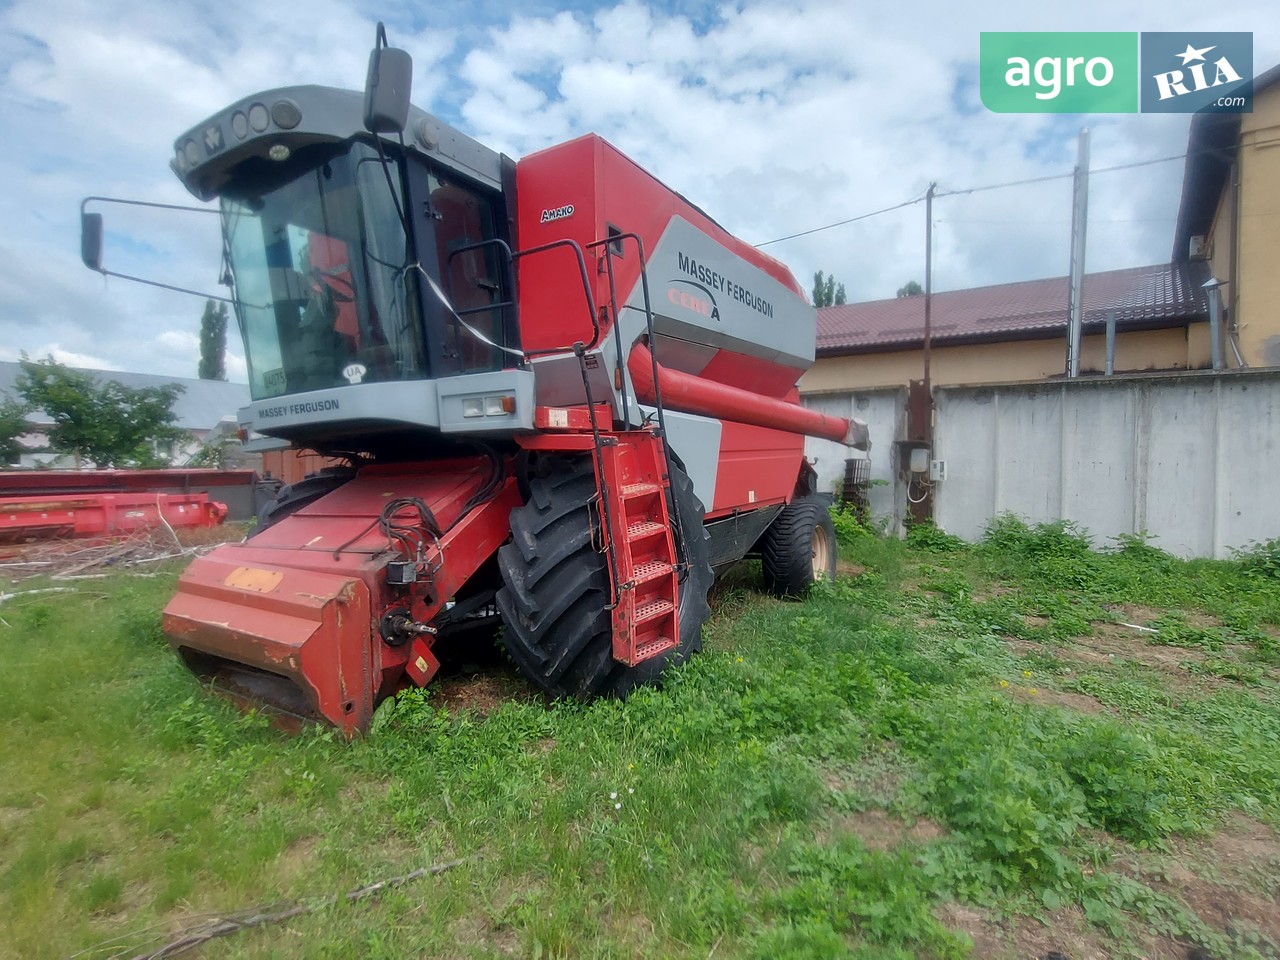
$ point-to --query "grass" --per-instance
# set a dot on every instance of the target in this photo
(957, 745)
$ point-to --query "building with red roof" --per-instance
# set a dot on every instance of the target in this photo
(1228, 229)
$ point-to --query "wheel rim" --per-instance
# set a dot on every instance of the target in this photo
(821, 551)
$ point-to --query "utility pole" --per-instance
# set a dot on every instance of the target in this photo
(1079, 220)
(928, 288)
(920, 392)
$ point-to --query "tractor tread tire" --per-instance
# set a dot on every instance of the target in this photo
(294, 496)
(787, 547)
(555, 588)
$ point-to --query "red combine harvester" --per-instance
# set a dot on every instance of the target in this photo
(565, 394)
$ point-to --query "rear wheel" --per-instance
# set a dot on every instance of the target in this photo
(555, 589)
(799, 548)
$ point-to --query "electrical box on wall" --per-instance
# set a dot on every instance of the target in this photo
(913, 459)
(937, 470)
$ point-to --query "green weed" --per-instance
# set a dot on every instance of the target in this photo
(700, 818)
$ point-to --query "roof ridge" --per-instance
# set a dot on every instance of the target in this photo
(1150, 295)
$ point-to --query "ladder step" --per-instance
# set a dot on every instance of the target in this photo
(652, 610)
(643, 528)
(640, 490)
(652, 649)
(650, 570)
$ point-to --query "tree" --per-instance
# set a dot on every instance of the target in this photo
(910, 289)
(213, 341)
(13, 424)
(826, 292)
(106, 423)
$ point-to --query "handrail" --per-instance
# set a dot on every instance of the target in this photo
(678, 524)
(617, 330)
(586, 292)
(513, 256)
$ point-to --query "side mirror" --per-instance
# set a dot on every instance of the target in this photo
(387, 87)
(91, 240)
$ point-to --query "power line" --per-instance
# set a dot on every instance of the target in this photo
(841, 223)
(991, 186)
(1008, 183)
(1057, 220)
(1061, 176)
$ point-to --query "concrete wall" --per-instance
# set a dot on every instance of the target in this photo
(884, 410)
(1191, 459)
(1175, 348)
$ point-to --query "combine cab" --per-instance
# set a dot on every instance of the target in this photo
(565, 393)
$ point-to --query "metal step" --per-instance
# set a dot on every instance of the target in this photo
(631, 490)
(653, 609)
(654, 648)
(650, 570)
(640, 529)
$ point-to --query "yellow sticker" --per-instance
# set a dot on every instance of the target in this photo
(421, 664)
(254, 579)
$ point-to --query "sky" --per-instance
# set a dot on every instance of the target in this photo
(773, 117)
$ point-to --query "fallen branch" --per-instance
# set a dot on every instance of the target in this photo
(160, 515)
(27, 593)
(100, 558)
(224, 926)
(189, 552)
(1138, 626)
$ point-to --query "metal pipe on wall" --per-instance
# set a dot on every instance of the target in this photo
(1079, 224)
(1111, 342)
(1213, 288)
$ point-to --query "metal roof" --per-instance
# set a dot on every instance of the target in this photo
(1166, 294)
(200, 406)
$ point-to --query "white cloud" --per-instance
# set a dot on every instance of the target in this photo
(237, 368)
(180, 341)
(774, 117)
(70, 358)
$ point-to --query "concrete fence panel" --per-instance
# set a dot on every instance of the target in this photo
(1192, 459)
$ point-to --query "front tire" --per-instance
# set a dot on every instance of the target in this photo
(799, 548)
(294, 496)
(555, 593)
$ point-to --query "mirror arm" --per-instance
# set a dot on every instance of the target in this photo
(147, 203)
(166, 286)
(91, 243)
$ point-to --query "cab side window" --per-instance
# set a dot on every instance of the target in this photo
(472, 279)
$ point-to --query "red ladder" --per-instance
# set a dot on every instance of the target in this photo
(645, 620)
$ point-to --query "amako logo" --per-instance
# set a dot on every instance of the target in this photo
(557, 213)
(698, 299)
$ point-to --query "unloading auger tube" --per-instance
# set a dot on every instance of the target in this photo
(690, 394)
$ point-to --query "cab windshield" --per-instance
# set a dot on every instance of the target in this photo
(317, 253)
